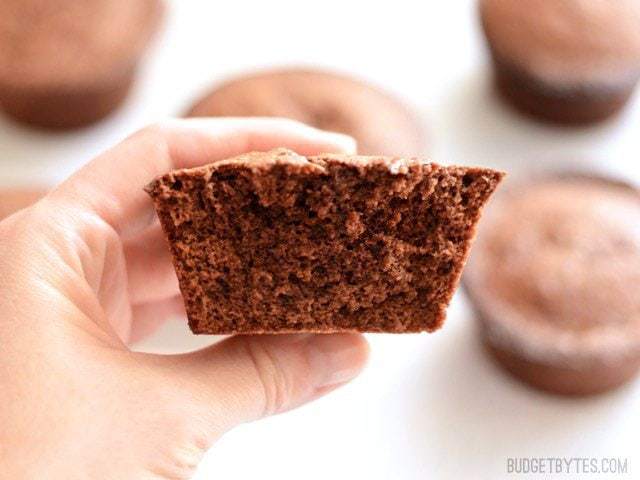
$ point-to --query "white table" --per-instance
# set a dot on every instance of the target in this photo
(428, 406)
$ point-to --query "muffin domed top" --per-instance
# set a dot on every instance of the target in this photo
(381, 124)
(588, 42)
(70, 42)
(559, 260)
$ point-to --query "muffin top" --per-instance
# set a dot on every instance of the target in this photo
(557, 264)
(584, 42)
(380, 123)
(65, 43)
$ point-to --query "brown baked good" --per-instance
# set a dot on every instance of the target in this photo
(380, 123)
(554, 275)
(68, 63)
(17, 198)
(572, 61)
(277, 242)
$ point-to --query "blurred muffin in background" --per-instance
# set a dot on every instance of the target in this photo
(567, 61)
(381, 124)
(554, 278)
(68, 63)
(16, 198)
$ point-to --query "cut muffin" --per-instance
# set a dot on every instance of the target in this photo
(279, 242)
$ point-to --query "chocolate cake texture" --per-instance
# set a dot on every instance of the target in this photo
(278, 242)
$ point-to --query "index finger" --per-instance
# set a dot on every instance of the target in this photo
(111, 185)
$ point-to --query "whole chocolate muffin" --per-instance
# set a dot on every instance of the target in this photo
(554, 278)
(568, 61)
(68, 63)
(380, 123)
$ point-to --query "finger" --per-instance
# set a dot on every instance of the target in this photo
(14, 199)
(149, 317)
(112, 185)
(247, 377)
(150, 273)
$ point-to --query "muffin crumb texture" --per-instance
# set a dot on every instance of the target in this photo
(278, 242)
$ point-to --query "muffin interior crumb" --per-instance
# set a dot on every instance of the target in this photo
(322, 244)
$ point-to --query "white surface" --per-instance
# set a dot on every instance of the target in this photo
(428, 406)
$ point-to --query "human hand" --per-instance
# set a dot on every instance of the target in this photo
(85, 271)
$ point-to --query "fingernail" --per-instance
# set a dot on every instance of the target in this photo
(345, 143)
(336, 358)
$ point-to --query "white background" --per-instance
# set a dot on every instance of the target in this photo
(428, 406)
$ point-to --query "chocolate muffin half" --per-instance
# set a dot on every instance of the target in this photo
(567, 61)
(278, 242)
(68, 63)
(381, 124)
(554, 278)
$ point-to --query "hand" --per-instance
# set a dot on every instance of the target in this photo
(85, 271)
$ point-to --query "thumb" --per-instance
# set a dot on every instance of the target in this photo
(247, 377)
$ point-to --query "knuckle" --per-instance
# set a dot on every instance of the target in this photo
(277, 386)
(180, 458)
(15, 224)
(183, 459)
(153, 130)
(155, 134)
(154, 137)
(29, 226)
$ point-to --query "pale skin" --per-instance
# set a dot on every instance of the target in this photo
(85, 272)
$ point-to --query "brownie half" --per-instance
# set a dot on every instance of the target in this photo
(278, 242)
